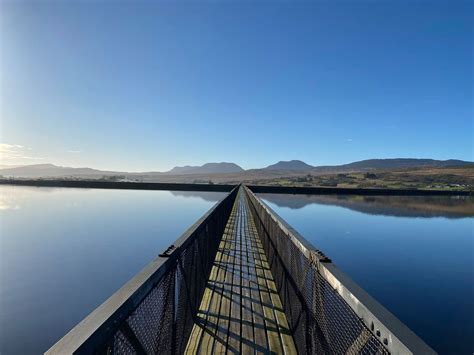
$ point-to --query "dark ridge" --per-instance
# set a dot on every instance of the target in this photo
(353, 191)
(289, 165)
(94, 184)
(209, 168)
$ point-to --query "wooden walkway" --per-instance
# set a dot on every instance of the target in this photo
(241, 311)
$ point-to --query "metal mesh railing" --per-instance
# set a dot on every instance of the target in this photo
(149, 328)
(154, 312)
(320, 319)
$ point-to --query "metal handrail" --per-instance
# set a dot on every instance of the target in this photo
(96, 330)
(392, 333)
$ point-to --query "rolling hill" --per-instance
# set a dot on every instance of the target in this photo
(289, 165)
(231, 169)
(50, 170)
(402, 163)
(209, 168)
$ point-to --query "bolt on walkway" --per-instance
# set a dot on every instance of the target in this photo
(241, 311)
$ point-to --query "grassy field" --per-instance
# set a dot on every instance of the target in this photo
(452, 178)
(422, 178)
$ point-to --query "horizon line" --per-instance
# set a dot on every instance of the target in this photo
(13, 166)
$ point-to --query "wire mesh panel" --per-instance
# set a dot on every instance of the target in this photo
(321, 321)
(151, 322)
(155, 311)
(195, 262)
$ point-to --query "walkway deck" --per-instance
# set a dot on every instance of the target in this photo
(241, 311)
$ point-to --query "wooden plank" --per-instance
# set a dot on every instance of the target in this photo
(241, 311)
(219, 338)
(220, 344)
(270, 321)
(196, 333)
(286, 340)
(235, 309)
(280, 317)
(207, 339)
(206, 343)
(247, 318)
(260, 335)
(283, 327)
(200, 334)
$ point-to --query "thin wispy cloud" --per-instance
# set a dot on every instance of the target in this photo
(14, 153)
(74, 151)
(8, 147)
(349, 139)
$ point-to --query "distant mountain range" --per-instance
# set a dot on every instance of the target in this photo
(404, 163)
(209, 168)
(50, 170)
(290, 165)
(399, 163)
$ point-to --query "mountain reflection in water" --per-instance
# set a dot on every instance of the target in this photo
(399, 206)
(208, 196)
(413, 254)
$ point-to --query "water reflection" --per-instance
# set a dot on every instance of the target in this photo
(421, 269)
(64, 251)
(402, 206)
(206, 196)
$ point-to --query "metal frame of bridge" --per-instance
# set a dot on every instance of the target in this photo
(241, 280)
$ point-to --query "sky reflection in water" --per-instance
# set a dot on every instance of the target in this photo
(413, 254)
(65, 251)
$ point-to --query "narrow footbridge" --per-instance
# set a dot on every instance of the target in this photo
(241, 280)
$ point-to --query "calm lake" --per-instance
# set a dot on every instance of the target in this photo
(65, 251)
(413, 254)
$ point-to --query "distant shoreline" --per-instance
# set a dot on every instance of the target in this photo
(95, 184)
(297, 190)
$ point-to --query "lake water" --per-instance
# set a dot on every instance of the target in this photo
(65, 251)
(413, 254)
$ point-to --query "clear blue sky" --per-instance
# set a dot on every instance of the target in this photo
(150, 85)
